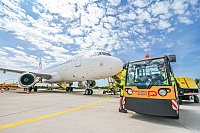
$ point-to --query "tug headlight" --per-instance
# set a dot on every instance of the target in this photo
(162, 92)
(129, 91)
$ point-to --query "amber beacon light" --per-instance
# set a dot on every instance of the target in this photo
(147, 56)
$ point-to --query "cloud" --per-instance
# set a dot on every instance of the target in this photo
(141, 3)
(114, 2)
(193, 2)
(159, 8)
(20, 47)
(31, 48)
(3, 53)
(185, 20)
(179, 7)
(163, 25)
(16, 52)
(170, 29)
(47, 57)
(169, 45)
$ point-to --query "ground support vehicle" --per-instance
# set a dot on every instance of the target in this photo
(187, 89)
(11, 83)
(113, 81)
(150, 87)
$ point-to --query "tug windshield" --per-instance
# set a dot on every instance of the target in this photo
(147, 73)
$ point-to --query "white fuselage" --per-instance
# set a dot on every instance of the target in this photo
(84, 68)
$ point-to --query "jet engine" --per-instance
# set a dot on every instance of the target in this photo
(27, 80)
(87, 84)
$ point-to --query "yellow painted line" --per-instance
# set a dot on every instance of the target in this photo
(52, 115)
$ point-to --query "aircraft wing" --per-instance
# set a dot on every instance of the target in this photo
(42, 75)
(11, 70)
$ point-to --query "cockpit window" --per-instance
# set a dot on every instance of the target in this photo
(99, 53)
(107, 54)
(91, 54)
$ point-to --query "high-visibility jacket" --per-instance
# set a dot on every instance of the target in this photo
(123, 75)
(111, 86)
(172, 79)
(166, 81)
(122, 83)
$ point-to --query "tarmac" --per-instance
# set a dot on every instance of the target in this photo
(58, 112)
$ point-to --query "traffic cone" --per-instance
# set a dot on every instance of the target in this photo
(27, 92)
(2, 90)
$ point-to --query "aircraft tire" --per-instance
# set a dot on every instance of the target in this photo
(30, 89)
(91, 91)
(35, 89)
(67, 89)
(87, 92)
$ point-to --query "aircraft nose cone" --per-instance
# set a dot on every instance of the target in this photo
(117, 64)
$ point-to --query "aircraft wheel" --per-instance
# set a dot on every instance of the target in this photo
(67, 89)
(196, 99)
(87, 92)
(35, 89)
(30, 89)
(91, 91)
(71, 89)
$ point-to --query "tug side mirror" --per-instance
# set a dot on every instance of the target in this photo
(172, 58)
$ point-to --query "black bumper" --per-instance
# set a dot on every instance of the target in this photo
(150, 106)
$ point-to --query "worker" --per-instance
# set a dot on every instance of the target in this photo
(161, 67)
(122, 83)
(162, 70)
(111, 88)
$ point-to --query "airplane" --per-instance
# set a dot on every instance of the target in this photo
(83, 68)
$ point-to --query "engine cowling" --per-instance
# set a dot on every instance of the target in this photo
(84, 84)
(27, 80)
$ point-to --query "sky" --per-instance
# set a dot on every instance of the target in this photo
(55, 30)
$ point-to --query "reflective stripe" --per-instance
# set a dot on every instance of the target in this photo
(174, 105)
